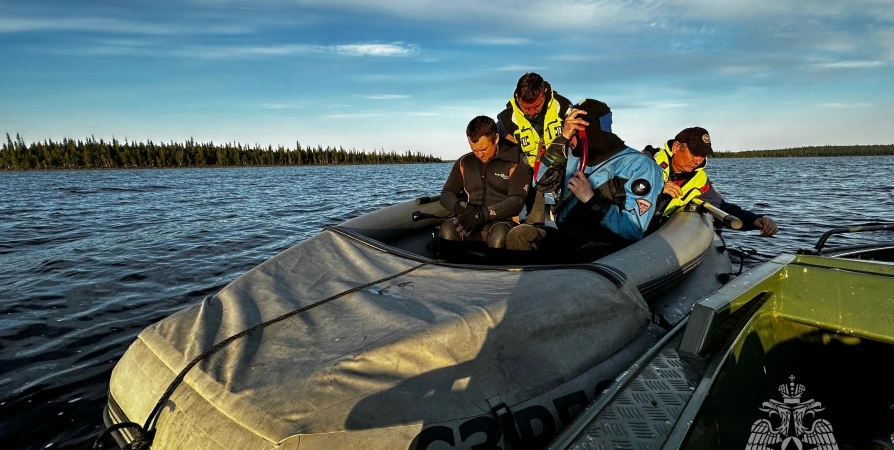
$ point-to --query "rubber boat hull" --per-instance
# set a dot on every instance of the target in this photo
(396, 350)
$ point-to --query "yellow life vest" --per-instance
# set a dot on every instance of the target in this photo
(691, 189)
(528, 139)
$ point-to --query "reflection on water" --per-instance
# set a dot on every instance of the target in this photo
(90, 258)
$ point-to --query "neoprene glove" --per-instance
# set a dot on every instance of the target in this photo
(471, 217)
(551, 179)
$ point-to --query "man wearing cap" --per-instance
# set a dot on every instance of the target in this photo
(683, 161)
(532, 120)
(607, 190)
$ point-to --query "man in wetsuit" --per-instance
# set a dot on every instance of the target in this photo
(607, 190)
(532, 120)
(683, 160)
(495, 181)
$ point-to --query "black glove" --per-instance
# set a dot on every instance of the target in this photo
(471, 217)
(551, 179)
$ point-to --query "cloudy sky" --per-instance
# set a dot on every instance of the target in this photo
(410, 74)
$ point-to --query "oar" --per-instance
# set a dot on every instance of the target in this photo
(728, 219)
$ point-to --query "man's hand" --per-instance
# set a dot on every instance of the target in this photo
(580, 187)
(470, 218)
(573, 123)
(459, 229)
(671, 188)
(766, 225)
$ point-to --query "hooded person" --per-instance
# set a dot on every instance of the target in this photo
(607, 191)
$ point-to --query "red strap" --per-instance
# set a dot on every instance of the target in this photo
(537, 160)
(585, 143)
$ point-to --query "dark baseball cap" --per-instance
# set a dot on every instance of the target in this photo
(697, 139)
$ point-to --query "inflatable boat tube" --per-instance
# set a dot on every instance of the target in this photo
(393, 349)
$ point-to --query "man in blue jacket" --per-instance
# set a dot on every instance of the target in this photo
(607, 190)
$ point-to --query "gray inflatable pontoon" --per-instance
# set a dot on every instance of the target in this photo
(391, 349)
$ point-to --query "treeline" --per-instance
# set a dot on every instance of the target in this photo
(99, 154)
(826, 150)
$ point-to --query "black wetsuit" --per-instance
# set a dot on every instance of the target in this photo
(501, 184)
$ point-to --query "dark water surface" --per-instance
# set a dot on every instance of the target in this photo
(90, 258)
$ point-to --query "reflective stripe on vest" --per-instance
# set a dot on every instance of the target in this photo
(691, 189)
(527, 137)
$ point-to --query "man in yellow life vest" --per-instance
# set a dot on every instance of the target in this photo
(532, 120)
(683, 160)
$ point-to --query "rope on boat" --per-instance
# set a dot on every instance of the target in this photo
(747, 252)
(146, 433)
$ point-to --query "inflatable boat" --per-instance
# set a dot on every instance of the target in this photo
(794, 354)
(360, 337)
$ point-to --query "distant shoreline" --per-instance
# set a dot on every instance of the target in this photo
(76, 169)
(92, 154)
(809, 152)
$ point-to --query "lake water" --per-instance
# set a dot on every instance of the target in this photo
(90, 258)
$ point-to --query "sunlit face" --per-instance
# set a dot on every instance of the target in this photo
(532, 109)
(485, 148)
(684, 161)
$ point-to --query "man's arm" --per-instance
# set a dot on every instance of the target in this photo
(518, 191)
(453, 185)
(506, 130)
(551, 174)
(713, 197)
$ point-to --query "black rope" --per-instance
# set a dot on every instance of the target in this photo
(745, 252)
(146, 433)
(142, 439)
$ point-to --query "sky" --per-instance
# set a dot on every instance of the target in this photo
(409, 74)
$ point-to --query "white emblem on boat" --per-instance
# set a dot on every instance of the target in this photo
(792, 432)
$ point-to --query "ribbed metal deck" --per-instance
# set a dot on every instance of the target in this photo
(642, 415)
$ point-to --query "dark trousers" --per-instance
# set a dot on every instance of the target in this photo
(540, 244)
(493, 233)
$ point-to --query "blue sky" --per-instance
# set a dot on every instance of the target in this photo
(410, 74)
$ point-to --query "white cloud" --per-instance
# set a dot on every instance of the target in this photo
(106, 25)
(850, 64)
(542, 14)
(355, 50)
(393, 49)
(223, 52)
(762, 9)
(845, 105)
